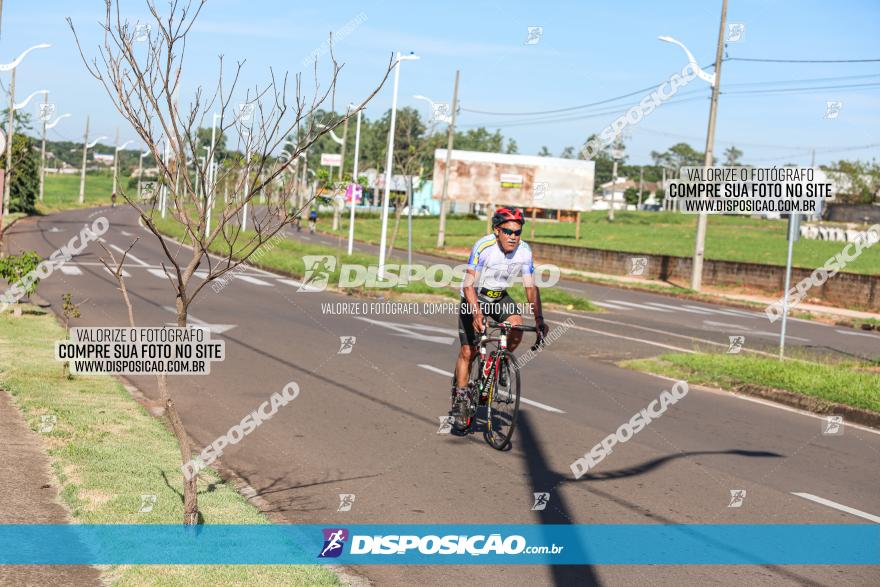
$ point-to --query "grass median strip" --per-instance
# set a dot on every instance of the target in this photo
(845, 382)
(108, 453)
(286, 256)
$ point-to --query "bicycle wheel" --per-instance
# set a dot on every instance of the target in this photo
(503, 405)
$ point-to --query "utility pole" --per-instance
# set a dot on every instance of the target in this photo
(641, 186)
(613, 186)
(700, 245)
(10, 131)
(82, 176)
(43, 148)
(441, 231)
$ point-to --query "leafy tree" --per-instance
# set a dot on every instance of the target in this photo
(13, 269)
(25, 176)
(678, 156)
(860, 181)
(544, 152)
(631, 195)
(512, 148)
(732, 156)
(567, 153)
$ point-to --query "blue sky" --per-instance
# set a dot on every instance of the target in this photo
(589, 51)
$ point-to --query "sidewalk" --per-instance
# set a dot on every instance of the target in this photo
(28, 495)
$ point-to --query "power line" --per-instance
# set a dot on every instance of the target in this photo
(756, 60)
(791, 90)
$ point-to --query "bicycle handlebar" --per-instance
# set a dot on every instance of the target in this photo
(539, 342)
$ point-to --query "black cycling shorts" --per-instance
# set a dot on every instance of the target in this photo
(495, 305)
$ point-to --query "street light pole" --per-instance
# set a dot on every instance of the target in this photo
(211, 173)
(116, 161)
(140, 172)
(700, 243)
(9, 133)
(82, 176)
(354, 178)
(441, 230)
(389, 164)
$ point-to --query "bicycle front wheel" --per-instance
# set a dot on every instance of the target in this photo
(503, 405)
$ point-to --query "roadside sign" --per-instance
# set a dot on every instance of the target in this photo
(2, 142)
(511, 180)
(331, 159)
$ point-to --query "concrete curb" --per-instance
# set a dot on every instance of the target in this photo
(812, 404)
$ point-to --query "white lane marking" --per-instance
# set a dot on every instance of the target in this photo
(214, 328)
(54, 229)
(522, 399)
(201, 274)
(849, 333)
(641, 340)
(676, 308)
(126, 233)
(638, 306)
(124, 273)
(569, 289)
(724, 325)
(609, 306)
(407, 330)
(253, 280)
(129, 255)
(306, 238)
(298, 284)
(838, 506)
(159, 273)
(736, 313)
(71, 270)
(751, 331)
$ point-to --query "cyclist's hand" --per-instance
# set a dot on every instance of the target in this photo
(479, 321)
(542, 327)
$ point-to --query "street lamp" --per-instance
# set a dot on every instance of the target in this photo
(354, 180)
(211, 171)
(389, 161)
(714, 80)
(141, 171)
(4, 209)
(116, 162)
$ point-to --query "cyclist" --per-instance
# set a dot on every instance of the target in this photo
(495, 261)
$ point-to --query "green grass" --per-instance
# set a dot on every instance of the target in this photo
(845, 382)
(729, 238)
(61, 192)
(107, 451)
(286, 256)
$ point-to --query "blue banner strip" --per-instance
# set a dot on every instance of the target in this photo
(659, 544)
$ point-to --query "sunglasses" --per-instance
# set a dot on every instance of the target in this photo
(509, 232)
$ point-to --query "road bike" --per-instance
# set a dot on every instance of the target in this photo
(493, 384)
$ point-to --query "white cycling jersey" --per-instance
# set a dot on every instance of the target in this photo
(496, 270)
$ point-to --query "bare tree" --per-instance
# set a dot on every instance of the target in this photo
(143, 79)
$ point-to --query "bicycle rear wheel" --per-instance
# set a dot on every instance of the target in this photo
(503, 405)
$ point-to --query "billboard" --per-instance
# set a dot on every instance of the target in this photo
(525, 181)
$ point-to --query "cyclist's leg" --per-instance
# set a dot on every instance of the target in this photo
(468, 339)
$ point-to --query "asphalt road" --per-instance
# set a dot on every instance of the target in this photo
(366, 422)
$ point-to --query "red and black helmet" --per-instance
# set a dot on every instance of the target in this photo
(503, 215)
